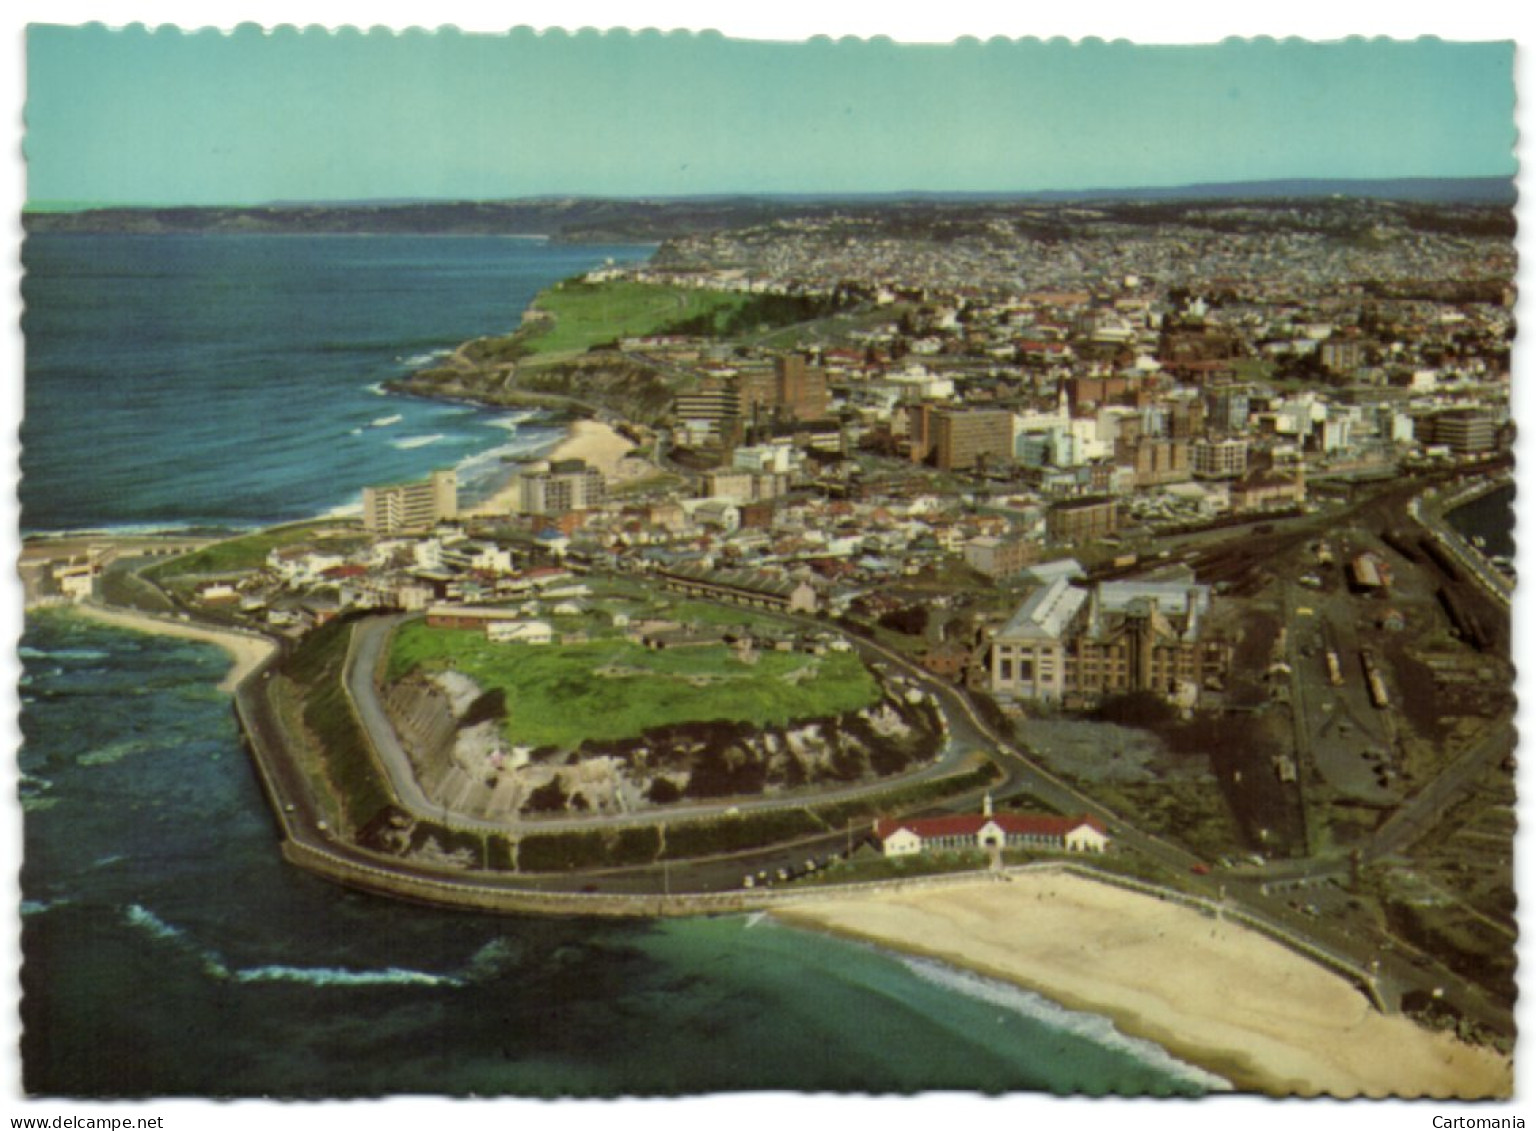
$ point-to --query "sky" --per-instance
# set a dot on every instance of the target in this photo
(141, 116)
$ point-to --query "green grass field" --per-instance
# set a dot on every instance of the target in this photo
(607, 690)
(589, 314)
(246, 552)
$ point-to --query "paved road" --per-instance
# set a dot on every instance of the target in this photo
(1401, 969)
(369, 639)
(1424, 810)
(1431, 514)
(300, 821)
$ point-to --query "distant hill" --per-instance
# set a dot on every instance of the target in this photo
(1439, 190)
(655, 219)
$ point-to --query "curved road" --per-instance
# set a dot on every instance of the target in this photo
(1398, 969)
(368, 641)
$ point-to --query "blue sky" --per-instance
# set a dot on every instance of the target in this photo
(141, 116)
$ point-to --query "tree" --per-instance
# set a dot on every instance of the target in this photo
(663, 791)
(550, 797)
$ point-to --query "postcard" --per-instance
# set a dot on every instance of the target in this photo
(572, 564)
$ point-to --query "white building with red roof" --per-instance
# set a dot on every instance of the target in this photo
(986, 830)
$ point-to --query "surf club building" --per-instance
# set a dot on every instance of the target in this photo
(987, 831)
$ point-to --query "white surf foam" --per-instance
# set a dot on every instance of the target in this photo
(150, 923)
(422, 360)
(60, 653)
(410, 442)
(339, 976)
(1090, 1026)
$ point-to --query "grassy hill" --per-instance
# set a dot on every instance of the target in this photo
(608, 690)
(582, 315)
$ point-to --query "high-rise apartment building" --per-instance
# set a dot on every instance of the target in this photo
(569, 485)
(401, 507)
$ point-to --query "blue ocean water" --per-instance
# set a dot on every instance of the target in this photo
(234, 380)
(168, 950)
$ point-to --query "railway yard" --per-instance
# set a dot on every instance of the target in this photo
(1367, 759)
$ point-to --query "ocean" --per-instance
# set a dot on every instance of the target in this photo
(183, 381)
(169, 951)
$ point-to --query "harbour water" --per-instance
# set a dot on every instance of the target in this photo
(168, 950)
(1488, 522)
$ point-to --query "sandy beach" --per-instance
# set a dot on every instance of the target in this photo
(600, 445)
(1213, 993)
(247, 652)
(597, 443)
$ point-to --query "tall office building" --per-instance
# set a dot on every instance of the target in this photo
(800, 388)
(960, 439)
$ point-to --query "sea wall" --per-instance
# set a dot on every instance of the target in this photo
(311, 848)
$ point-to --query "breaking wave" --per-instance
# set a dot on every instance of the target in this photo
(338, 976)
(27, 653)
(416, 441)
(150, 923)
(1089, 1026)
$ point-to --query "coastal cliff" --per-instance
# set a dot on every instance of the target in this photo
(601, 384)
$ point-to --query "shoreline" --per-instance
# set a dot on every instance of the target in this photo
(597, 444)
(1472, 499)
(247, 653)
(1224, 998)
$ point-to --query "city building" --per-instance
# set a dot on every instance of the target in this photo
(1219, 459)
(714, 410)
(989, 831)
(1029, 653)
(1343, 355)
(568, 485)
(1154, 461)
(960, 439)
(1227, 408)
(519, 632)
(1082, 520)
(778, 458)
(742, 587)
(1464, 431)
(800, 388)
(1268, 490)
(411, 506)
(743, 487)
(1076, 646)
(999, 557)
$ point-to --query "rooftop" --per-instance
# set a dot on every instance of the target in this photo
(1046, 612)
